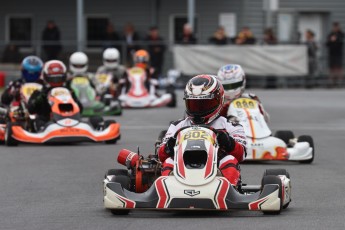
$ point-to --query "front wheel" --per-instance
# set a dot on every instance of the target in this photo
(285, 135)
(309, 139)
(9, 140)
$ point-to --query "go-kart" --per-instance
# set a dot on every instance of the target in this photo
(195, 184)
(17, 111)
(137, 94)
(65, 125)
(261, 145)
(94, 104)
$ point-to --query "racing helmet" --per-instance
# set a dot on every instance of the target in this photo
(204, 97)
(141, 59)
(111, 58)
(55, 73)
(78, 63)
(233, 80)
(31, 68)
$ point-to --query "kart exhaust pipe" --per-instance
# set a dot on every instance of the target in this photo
(127, 158)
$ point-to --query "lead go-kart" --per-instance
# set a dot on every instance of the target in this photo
(195, 184)
(137, 94)
(96, 102)
(65, 126)
(261, 145)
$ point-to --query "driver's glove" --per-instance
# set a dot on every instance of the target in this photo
(169, 146)
(225, 141)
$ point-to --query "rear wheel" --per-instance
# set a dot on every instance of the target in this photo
(161, 136)
(277, 172)
(96, 121)
(272, 179)
(117, 172)
(9, 140)
(106, 125)
(125, 181)
(285, 135)
(309, 139)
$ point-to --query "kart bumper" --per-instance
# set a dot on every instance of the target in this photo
(55, 133)
(168, 194)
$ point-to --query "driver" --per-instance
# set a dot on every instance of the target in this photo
(111, 65)
(31, 68)
(204, 97)
(233, 80)
(54, 75)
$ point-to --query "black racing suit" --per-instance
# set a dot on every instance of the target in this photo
(38, 104)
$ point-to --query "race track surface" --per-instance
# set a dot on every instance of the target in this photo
(60, 187)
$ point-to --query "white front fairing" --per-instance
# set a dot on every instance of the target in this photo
(62, 94)
(192, 140)
(248, 112)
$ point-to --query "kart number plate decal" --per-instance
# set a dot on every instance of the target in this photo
(102, 78)
(28, 89)
(197, 135)
(80, 81)
(60, 92)
(135, 71)
(245, 103)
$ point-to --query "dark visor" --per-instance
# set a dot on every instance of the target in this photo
(110, 60)
(79, 66)
(201, 107)
(232, 85)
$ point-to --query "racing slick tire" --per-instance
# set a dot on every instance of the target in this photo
(125, 181)
(173, 102)
(161, 136)
(309, 139)
(272, 179)
(116, 172)
(95, 121)
(285, 135)
(9, 140)
(106, 124)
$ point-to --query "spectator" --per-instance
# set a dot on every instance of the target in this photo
(111, 38)
(11, 54)
(51, 41)
(156, 49)
(245, 37)
(312, 58)
(335, 43)
(219, 37)
(269, 37)
(130, 37)
(187, 36)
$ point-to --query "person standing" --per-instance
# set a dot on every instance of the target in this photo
(130, 37)
(187, 36)
(335, 42)
(51, 41)
(312, 57)
(219, 37)
(156, 49)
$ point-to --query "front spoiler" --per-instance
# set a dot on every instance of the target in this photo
(54, 133)
(183, 197)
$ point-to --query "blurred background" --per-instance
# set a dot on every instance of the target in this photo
(280, 43)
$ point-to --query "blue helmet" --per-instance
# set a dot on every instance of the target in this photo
(31, 68)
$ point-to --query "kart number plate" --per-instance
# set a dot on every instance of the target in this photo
(28, 89)
(102, 78)
(80, 81)
(135, 71)
(245, 103)
(197, 135)
(60, 92)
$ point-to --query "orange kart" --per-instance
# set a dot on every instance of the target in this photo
(65, 125)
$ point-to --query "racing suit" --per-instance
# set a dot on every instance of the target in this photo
(39, 104)
(118, 74)
(228, 157)
(226, 105)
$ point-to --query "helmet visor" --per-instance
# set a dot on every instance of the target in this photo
(78, 66)
(231, 86)
(111, 60)
(201, 107)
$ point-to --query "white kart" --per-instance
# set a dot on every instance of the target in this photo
(138, 96)
(261, 145)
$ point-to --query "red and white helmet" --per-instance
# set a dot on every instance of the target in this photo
(54, 73)
(233, 80)
(204, 97)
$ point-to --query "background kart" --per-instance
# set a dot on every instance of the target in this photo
(66, 125)
(136, 95)
(196, 183)
(261, 145)
(94, 104)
